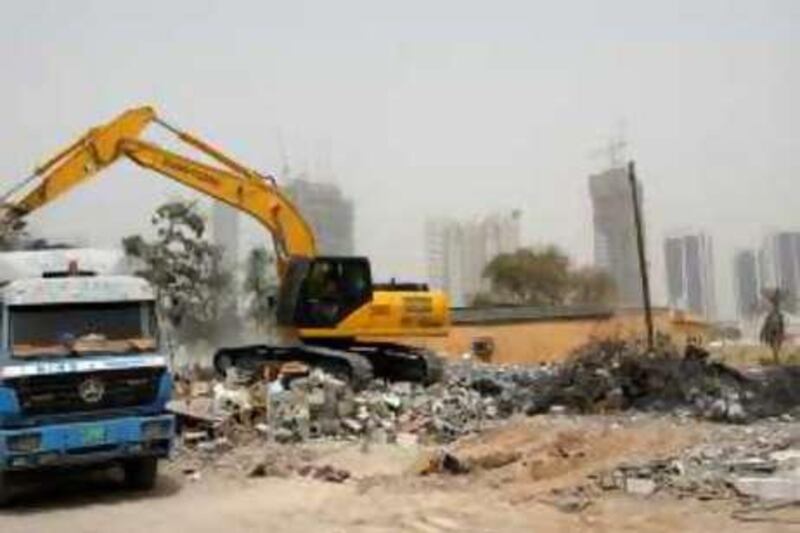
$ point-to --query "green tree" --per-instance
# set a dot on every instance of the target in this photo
(589, 285)
(260, 287)
(543, 276)
(531, 276)
(192, 290)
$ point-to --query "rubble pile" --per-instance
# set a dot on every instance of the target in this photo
(760, 462)
(612, 375)
(321, 405)
(603, 376)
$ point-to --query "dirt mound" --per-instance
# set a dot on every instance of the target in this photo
(535, 455)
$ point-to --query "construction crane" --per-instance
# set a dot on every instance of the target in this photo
(329, 312)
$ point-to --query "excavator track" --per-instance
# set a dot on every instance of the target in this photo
(399, 362)
(353, 367)
(395, 362)
(357, 362)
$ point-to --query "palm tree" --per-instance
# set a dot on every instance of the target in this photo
(773, 331)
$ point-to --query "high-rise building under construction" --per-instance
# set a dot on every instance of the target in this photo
(779, 267)
(615, 233)
(459, 250)
(689, 261)
(746, 284)
(225, 233)
(328, 211)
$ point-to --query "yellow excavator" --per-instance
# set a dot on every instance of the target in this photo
(329, 312)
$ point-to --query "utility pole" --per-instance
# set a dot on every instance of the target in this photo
(637, 218)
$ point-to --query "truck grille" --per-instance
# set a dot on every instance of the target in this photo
(70, 393)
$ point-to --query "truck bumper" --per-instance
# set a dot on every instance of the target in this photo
(83, 443)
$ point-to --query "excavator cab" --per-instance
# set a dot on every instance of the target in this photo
(320, 292)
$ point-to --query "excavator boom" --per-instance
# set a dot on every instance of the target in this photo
(236, 185)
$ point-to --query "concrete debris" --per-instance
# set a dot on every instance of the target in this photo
(612, 375)
(759, 463)
(300, 404)
(778, 488)
(319, 405)
(604, 376)
(640, 486)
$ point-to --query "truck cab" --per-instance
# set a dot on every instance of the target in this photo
(83, 378)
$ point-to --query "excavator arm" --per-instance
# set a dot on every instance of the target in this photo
(258, 197)
(94, 151)
(236, 185)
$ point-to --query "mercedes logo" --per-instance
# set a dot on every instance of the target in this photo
(91, 390)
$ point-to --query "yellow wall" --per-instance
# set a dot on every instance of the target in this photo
(551, 340)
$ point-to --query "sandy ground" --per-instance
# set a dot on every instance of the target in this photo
(386, 495)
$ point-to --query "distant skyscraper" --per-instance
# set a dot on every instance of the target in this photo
(745, 278)
(225, 233)
(690, 273)
(329, 213)
(615, 233)
(779, 266)
(458, 251)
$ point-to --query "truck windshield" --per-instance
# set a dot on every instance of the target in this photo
(74, 329)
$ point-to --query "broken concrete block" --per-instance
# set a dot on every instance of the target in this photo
(789, 458)
(735, 413)
(393, 401)
(640, 486)
(782, 488)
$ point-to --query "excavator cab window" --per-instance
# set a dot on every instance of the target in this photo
(323, 291)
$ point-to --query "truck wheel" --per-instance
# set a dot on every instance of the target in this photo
(140, 474)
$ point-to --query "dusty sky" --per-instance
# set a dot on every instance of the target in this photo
(428, 107)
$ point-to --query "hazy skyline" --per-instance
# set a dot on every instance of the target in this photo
(429, 108)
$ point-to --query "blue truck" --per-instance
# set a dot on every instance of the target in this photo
(83, 378)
